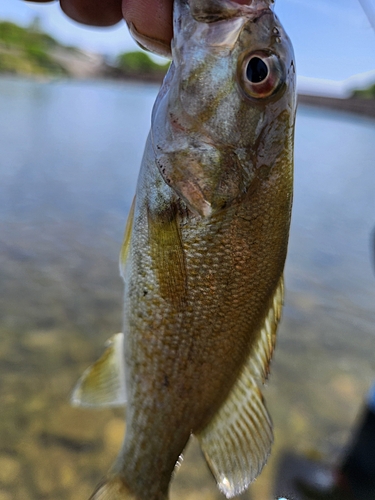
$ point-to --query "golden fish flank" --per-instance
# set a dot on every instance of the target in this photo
(203, 255)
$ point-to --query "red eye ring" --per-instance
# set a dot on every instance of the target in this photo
(261, 74)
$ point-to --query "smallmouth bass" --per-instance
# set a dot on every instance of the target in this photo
(203, 255)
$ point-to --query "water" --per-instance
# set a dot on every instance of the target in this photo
(69, 158)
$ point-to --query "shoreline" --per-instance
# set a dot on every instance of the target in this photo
(354, 105)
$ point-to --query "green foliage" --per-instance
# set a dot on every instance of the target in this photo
(29, 51)
(137, 62)
(15, 36)
(368, 93)
(26, 51)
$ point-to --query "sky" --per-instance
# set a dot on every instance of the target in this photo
(333, 40)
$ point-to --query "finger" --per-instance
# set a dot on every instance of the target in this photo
(151, 18)
(93, 12)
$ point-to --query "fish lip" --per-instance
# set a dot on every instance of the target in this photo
(263, 12)
(230, 9)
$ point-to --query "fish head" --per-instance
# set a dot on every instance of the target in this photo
(225, 113)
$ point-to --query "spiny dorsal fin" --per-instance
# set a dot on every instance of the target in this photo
(237, 441)
(260, 358)
(103, 383)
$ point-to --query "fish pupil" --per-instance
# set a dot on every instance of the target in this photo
(256, 70)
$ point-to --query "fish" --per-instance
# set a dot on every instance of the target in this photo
(203, 256)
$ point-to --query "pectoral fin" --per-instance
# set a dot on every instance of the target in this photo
(103, 383)
(237, 441)
(168, 255)
(126, 241)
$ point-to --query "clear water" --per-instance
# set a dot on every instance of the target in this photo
(69, 158)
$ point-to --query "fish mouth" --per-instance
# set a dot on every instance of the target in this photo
(262, 13)
(209, 11)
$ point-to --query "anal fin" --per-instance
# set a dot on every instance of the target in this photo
(237, 441)
(112, 488)
(103, 383)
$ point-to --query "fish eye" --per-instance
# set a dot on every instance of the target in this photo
(256, 70)
(261, 74)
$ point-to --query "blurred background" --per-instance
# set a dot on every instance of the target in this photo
(75, 106)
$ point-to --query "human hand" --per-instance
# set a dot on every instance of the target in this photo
(149, 21)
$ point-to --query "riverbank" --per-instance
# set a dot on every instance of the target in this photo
(84, 66)
(29, 52)
(364, 107)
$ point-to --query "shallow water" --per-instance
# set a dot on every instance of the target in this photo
(69, 157)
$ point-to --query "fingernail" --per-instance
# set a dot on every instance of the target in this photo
(151, 44)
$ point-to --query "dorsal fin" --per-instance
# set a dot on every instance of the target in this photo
(237, 441)
(260, 358)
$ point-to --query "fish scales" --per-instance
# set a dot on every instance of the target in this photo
(203, 255)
